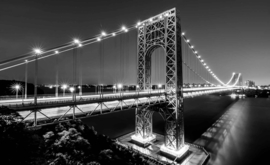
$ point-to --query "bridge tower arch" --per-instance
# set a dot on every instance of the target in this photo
(164, 31)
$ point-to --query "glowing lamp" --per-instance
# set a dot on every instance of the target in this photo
(124, 28)
(17, 87)
(119, 86)
(37, 51)
(64, 86)
(76, 41)
(103, 33)
(71, 89)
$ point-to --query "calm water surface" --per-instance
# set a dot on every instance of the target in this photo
(234, 131)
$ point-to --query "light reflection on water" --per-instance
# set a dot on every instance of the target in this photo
(241, 135)
(234, 135)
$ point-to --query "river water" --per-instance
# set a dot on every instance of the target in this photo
(234, 131)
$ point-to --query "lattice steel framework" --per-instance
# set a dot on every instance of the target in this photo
(164, 31)
(144, 122)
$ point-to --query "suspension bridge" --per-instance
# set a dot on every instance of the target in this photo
(168, 70)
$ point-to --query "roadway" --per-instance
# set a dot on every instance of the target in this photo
(188, 92)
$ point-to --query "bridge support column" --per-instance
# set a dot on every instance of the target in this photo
(163, 30)
(143, 127)
(35, 118)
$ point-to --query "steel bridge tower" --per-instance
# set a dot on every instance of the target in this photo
(163, 31)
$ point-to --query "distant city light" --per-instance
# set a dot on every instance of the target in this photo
(98, 39)
(113, 34)
(183, 33)
(56, 52)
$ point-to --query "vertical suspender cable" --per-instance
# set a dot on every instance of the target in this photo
(56, 75)
(80, 70)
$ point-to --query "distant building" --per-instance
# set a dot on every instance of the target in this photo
(250, 83)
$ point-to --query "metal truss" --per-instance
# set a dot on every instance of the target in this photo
(104, 106)
(144, 122)
(164, 31)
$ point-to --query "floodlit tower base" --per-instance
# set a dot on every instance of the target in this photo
(172, 153)
(144, 142)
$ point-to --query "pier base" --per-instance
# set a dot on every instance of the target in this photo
(143, 142)
(172, 153)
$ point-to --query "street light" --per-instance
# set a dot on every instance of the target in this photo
(72, 89)
(17, 88)
(25, 78)
(100, 90)
(138, 89)
(159, 87)
(119, 86)
(37, 52)
(64, 87)
(114, 89)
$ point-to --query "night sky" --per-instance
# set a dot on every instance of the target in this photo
(231, 35)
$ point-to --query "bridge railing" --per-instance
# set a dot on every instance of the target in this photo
(81, 100)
